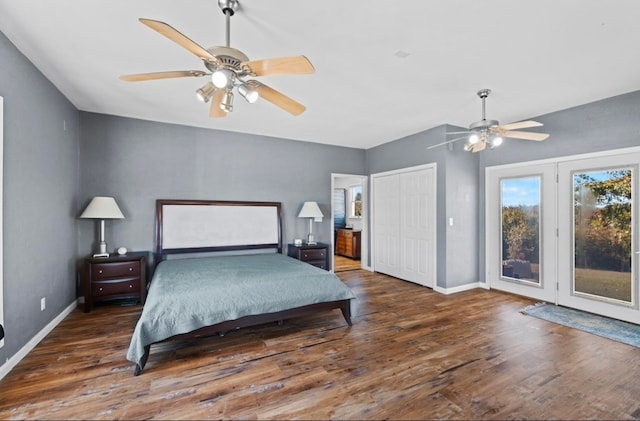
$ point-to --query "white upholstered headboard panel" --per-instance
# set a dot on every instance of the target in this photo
(187, 226)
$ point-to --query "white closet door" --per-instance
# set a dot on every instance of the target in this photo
(416, 227)
(404, 230)
(386, 205)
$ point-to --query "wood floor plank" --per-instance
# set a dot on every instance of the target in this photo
(411, 354)
(341, 263)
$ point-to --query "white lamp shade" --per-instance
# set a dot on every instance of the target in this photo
(310, 210)
(102, 207)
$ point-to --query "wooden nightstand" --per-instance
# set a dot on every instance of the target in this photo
(115, 277)
(316, 255)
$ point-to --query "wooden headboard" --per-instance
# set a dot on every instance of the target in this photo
(194, 226)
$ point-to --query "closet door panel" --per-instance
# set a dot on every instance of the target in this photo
(417, 229)
(387, 225)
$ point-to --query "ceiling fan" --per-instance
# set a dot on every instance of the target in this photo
(228, 68)
(485, 132)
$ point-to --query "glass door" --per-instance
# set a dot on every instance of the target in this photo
(597, 269)
(520, 240)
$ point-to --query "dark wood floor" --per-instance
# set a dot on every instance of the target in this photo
(411, 354)
(341, 263)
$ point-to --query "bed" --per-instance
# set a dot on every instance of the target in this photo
(220, 266)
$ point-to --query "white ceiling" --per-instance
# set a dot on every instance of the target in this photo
(384, 69)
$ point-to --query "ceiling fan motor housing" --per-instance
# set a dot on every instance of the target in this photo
(230, 57)
(483, 125)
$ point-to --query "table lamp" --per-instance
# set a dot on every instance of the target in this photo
(312, 211)
(102, 208)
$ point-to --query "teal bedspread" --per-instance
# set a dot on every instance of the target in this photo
(188, 294)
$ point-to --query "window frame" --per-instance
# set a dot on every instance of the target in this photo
(354, 190)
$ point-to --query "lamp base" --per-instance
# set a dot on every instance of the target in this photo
(310, 240)
(102, 250)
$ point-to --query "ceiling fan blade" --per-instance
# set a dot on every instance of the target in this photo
(161, 75)
(215, 111)
(278, 99)
(279, 66)
(525, 135)
(466, 131)
(448, 141)
(177, 37)
(480, 146)
(521, 125)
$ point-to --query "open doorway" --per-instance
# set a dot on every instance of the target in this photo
(349, 243)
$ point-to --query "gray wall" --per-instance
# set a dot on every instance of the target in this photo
(456, 185)
(608, 124)
(139, 161)
(461, 196)
(40, 187)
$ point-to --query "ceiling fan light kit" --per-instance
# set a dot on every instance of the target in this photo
(222, 79)
(228, 68)
(489, 133)
(248, 93)
(227, 101)
(206, 92)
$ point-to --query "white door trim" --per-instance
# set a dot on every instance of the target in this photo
(1, 216)
(364, 235)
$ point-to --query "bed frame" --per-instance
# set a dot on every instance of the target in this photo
(204, 226)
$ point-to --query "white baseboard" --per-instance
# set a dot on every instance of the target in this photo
(460, 288)
(18, 356)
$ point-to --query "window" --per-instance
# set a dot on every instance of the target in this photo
(355, 196)
(521, 201)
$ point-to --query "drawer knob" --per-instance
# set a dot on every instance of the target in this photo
(130, 269)
(99, 270)
(130, 286)
(100, 288)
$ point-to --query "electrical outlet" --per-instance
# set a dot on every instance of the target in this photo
(43, 303)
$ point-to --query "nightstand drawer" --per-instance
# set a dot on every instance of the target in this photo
(114, 270)
(114, 278)
(313, 254)
(319, 264)
(109, 288)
